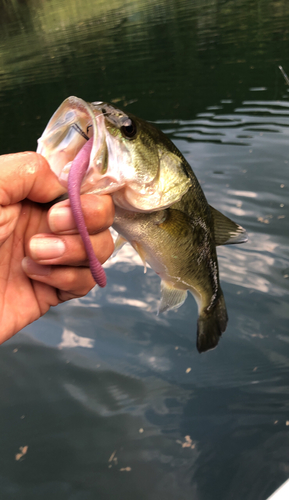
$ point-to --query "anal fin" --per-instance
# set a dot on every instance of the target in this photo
(171, 298)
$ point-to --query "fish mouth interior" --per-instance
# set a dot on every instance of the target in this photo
(73, 123)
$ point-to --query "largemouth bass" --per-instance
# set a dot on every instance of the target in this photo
(161, 209)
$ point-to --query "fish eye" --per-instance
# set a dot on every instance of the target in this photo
(129, 130)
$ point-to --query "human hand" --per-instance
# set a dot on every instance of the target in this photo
(42, 257)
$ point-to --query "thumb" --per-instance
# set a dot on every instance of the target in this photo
(27, 175)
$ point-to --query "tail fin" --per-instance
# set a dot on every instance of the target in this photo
(211, 325)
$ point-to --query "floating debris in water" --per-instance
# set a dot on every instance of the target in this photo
(113, 459)
(22, 452)
(263, 220)
(188, 443)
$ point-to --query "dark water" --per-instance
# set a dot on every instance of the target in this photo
(113, 401)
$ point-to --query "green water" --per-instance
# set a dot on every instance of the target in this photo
(100, 388)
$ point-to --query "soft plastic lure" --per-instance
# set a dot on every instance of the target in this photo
(76, 173)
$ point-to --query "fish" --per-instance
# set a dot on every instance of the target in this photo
(160, 207)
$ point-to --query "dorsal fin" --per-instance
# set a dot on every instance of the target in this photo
(226, 231)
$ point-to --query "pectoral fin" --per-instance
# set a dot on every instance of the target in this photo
(226, 231)
(172, 298)
(118, 244)
(138, 248)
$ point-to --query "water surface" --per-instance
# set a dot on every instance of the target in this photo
(112, 400)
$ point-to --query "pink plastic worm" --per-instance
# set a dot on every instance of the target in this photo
(77, 171)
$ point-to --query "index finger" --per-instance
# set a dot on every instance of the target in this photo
(27, 175)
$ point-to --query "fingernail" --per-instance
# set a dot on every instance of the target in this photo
(32, 268)
(61, 219)
(46, 248)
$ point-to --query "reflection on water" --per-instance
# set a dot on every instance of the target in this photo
(112, 400)
(70, 339)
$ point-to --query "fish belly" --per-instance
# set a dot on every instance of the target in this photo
(185, 259)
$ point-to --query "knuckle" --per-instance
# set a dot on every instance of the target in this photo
(98, 210)
(78, 282)
(69, 279)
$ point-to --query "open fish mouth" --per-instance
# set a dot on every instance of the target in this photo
(71, 126)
